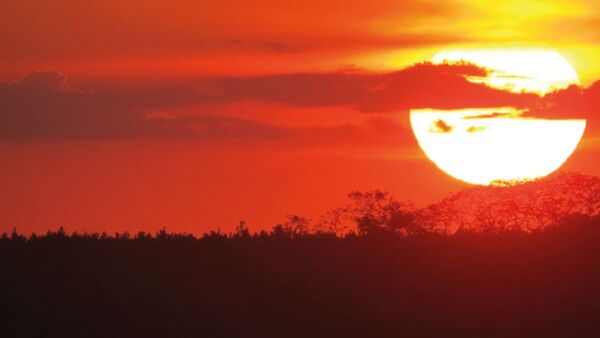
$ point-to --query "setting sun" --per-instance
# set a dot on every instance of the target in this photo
(484, 145)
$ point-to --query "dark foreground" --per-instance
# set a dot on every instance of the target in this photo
(467, 285)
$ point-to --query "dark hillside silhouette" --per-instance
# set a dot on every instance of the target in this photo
(369, 269)
(542, 203)
(529, 206)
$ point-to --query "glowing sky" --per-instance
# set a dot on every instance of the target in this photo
(193, 115)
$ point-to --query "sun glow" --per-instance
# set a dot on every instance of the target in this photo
(487, 145)
(533, 70)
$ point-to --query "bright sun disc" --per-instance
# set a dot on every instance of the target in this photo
(486, 145)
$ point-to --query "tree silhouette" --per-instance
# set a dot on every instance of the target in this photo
(527, 207)
(242, 231)
(498, 261)
(370, 212)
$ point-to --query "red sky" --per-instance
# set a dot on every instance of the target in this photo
(116, 116)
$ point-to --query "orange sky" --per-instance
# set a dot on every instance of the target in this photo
(193, 115)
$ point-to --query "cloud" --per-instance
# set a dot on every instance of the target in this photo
(75, 31)
(475, 129)
(44, 80)
(440, 126)
(574, 102)
(43, 105)
(423, 85)
(493, 115)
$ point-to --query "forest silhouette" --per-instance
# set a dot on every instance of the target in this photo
(502, 261)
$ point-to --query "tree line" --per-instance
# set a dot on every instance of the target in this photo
(373, 268)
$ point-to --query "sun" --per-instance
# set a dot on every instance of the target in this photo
(487, 145)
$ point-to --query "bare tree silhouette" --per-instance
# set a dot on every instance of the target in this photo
(369, 213)
(529, 206)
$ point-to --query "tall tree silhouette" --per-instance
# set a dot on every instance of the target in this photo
(369, 213)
